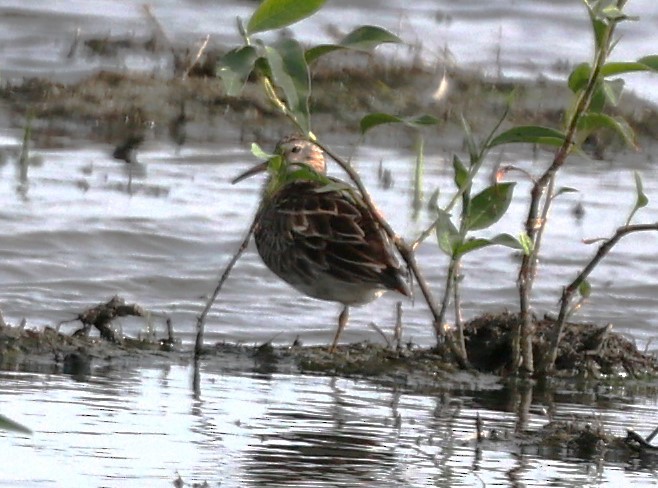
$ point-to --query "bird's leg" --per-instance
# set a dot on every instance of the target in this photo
(342, 322)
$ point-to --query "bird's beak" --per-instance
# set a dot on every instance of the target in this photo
(259, 168)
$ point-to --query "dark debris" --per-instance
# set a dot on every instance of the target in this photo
(102, 315)
(585, 349)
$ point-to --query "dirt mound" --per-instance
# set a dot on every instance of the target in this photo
(585, 349)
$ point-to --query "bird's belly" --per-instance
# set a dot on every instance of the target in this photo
(328, 288)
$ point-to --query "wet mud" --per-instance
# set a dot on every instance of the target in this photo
(128, 106)
(587, 356)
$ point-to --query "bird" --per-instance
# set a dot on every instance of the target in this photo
(317, 234)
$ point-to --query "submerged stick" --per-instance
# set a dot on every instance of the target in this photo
(201, 320)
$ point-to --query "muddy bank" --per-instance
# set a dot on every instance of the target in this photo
(586, 351)
(117, 107)
(589, 356)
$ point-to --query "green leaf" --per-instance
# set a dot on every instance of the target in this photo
(650, 61)
(259, 153)
(334, 186)
(612, 90)
(433, 201)
(565, 189)
(471, 245)
(618, 68)
(599, 27)
(526, 243)
(367, 37)
(585, 289)
(275, 14)
(488, 206)
(447, 234)
(306, 173)
(275, 164)
(478, 243)
(578, 77)
(532, 134)
(461, 173)
(590, 122)
(507, 241)
(364, 38)
(421, 120)
(234, 68)
(614, 13)
(320, 50)
(290, 73)
(373, 120)
(9, 425)
(641, 199)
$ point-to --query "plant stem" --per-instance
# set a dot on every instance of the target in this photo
(459, 322)
(522, 357)
(446, 295)
(476, 163)
(548, 362)
(201, 320)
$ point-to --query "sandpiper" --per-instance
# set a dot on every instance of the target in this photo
(316, 234)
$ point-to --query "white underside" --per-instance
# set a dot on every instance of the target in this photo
(330, 289)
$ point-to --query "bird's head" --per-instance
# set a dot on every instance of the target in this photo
(295, 159)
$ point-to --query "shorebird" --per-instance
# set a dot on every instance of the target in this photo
(317, 234)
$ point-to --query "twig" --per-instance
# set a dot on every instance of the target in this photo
(478, 428)
(652, 435)
(198, 55)
(397, 331)
(159, 31)
(635, 441)
(449, 284)
(161, 35)
(379, 330)
(459, 322)
(568, 291)
(201, 320)
(171, 338)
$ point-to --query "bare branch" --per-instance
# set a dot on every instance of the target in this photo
(201, 320)
(534, 226)
(197, 56)
(568, 292)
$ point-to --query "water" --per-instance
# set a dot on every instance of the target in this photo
(83, 227)
(143, 428)
(86, 227)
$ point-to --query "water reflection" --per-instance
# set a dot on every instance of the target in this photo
(123, 425)
(333, 441)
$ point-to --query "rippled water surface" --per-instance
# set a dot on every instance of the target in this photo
(144, 428)
(82, 226)
(85, 227)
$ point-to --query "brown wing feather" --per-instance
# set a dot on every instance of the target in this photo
(328, 231)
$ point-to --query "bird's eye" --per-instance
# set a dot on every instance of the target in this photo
(296, 149)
